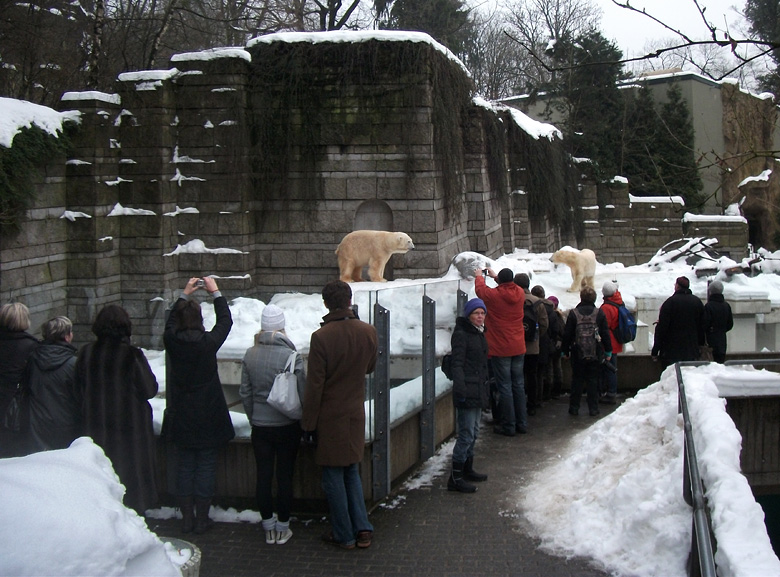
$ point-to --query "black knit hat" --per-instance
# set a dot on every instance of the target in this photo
(505, 275)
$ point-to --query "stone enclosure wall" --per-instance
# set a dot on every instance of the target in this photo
(269, 169)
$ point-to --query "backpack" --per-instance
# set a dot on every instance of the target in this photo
(446, 365)
(586, 335)
(530, 322)
(626, 329)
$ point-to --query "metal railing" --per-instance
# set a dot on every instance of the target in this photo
(701, 562)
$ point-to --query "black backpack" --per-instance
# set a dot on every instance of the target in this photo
(586, 336)
(446, 365)
(530, 322)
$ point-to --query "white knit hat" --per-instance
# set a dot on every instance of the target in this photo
(272, 318)
(609, 289)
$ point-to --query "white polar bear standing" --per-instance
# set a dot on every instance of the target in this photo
(582, 264)
(369, 247)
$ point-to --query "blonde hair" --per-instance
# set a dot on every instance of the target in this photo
(257, 335)
(56, 329)
(14, 317)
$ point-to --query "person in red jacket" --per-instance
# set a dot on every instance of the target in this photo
(506, 347)
(608, 380)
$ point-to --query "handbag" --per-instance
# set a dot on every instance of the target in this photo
(284, 392)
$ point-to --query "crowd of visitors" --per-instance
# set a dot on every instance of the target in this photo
(507, 349)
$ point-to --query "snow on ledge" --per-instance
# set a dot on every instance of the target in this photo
(197, 246)
(534, 128)
(356, 36)
(213, 54)
(656, 199)
(689, 217)
(91, 95)
(147, 75)
(18, 114)
(743, 381)
(763, 177)
(120, 210)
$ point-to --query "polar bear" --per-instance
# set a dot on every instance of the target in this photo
(370, 247)
(582, 264)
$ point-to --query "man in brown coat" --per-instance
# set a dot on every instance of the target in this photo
(341, 354)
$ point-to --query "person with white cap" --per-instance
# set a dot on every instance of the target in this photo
(470, 392)
(718, 320)
(613, 300)
(275, 437)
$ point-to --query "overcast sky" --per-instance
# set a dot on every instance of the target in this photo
(631, 31)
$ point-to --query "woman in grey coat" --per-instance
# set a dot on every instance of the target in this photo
(275, 437)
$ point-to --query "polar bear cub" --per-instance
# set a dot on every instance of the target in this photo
(369, 247)
(582, 264)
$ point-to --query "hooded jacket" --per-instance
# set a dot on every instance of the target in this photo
(613, 318)
(505, 334)
(259, 368)
(718, 320)
(55, 412)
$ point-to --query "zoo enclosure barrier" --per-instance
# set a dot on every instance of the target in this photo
(701, 561)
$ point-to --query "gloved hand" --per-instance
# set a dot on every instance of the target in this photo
(608, 356)
(309, 438)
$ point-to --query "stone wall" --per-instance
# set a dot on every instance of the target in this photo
(189, 149)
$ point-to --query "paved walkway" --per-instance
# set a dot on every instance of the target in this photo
(428, 531)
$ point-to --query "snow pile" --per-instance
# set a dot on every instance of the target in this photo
(18, 114)
(616, 495)
(63, 515)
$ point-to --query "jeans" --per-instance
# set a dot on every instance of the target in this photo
(197, 472)
(468, 428)
(530, 364)
(275, 448)
(584, 373)
(344, 491)
(609, 378)
(508, 372)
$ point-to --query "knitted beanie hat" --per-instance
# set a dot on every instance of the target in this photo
(715, 288)
(609, 289)
(683, 282)
(272, 318)
(473, 305)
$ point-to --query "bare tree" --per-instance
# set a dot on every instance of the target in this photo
(495, 61)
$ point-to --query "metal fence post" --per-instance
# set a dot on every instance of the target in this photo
(427, 415)
(380, 448)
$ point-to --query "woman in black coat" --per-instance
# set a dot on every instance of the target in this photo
(469, 392)
(197, 416)
(718, 320)
(114, 383)
(16, 346)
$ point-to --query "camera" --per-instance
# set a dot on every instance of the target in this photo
(484, 271)
(608, 365)
(200, 282)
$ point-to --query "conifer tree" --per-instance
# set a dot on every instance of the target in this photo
(447, 21)
(640, 135)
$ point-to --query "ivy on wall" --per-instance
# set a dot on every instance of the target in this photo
(309, 100)
(549, 178)
(31, 148)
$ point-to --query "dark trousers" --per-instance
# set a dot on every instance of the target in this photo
(275, 449)
(584, 374)
(197, 472)
(531, 384)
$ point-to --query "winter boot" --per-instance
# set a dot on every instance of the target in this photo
(456, 481)
(202, 520)
(187, 505)
(470, 474)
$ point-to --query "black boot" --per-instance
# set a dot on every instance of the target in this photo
(470, 474)
(456, 481)
(187, 505)
(202, 520)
